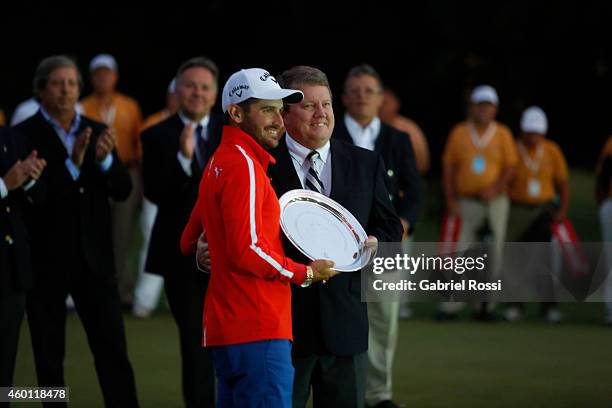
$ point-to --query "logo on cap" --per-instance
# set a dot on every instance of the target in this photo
(267, 75)
(238, 90)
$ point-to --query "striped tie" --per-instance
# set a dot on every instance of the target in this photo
(313, 182)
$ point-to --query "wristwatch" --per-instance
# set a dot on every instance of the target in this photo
(309, 277)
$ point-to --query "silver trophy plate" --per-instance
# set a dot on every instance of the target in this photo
(321, 228)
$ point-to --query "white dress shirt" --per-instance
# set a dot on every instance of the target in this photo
(299, 157)
(363, 136)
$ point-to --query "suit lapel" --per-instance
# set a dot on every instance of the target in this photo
(48, 140)
(382, 139)
(340, 171)
(341, 133)
(6, 149)
(283, 174)
(175, 125)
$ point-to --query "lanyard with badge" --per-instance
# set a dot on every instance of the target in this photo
(108, 115)
(534, 187)
(479, 163)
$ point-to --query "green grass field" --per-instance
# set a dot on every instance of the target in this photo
(457, 364)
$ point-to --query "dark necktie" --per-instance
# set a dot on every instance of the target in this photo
(200, 146)
(313, 182)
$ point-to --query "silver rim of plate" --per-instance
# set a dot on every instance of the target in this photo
(320, 228)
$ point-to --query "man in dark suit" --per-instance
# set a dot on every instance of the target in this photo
(330, 323)
(71, 234)
(362, 98)
(16, 180)
(174, 153)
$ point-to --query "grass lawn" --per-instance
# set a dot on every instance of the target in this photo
(456, 364)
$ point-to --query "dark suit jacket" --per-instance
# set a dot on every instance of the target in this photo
(331, 318)
(402, 174)
(167, 185)
(15, 267)
(71, 220)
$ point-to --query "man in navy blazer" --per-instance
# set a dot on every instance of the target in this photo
(330, 323)
(175, 152)
(71, 234)
(17, 179)
(362, 98)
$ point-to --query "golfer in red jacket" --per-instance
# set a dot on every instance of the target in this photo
(247, 310)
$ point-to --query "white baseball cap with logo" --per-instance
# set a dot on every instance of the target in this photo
(255, 83)
(484, 93)
(534, 120)
(103, 61)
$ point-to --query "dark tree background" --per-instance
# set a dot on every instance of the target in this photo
(554, 54)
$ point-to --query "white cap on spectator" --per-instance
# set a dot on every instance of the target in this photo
(103, 60)
(255, 83)
(484, 93)
(172, 86)
(534, 120)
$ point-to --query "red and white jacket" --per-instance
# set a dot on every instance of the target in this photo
(248, 297)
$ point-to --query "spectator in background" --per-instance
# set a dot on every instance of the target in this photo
(541, 177)
(389, 113)
(361, 126)
(2, 118)
(604, 199)
(70, 234)
(175, 153)
(16, 180)
(28, 108)
(122, 114)
(479, 161)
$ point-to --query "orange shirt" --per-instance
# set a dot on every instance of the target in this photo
(476, 167)
(125, 117)
(2, 118)
(537, 172)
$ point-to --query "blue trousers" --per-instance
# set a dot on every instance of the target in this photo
(254, 375)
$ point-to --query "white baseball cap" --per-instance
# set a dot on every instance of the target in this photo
(534, 120)
(103, 60)
(255, 83)
(484, 93)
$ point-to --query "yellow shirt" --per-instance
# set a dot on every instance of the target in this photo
(478, 163)
(537, 172)
(125, 117)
